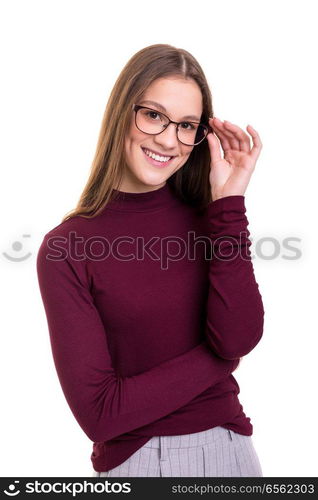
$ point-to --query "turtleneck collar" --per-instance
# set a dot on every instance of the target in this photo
(154, 200)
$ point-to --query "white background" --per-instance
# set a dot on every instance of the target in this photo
(59, 62)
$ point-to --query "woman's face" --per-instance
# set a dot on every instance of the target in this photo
(180, 98)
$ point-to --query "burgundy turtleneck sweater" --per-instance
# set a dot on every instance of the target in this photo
(149, 307)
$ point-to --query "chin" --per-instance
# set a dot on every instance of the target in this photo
(153, 180)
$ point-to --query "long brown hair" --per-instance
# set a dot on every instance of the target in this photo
(191, 182)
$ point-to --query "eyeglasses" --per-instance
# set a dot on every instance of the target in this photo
(153, 122)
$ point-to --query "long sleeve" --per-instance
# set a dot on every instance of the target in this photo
(104, 403)
(235, 313)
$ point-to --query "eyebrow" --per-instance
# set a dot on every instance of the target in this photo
(162, 108)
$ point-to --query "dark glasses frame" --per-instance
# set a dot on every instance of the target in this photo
(208, 129)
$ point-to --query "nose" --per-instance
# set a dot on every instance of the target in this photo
(168, 138)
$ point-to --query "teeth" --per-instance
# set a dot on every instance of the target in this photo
(157, 157)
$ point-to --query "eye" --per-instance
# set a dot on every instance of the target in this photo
(151, 113)
(191, 127)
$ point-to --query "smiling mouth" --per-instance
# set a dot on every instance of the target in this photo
(157, 156)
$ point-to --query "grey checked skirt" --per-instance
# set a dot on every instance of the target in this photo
(216, 452)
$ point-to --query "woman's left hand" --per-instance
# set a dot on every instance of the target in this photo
(230, 175)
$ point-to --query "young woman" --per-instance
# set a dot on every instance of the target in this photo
(148, 285)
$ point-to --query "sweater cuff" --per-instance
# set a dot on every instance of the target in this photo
(227, 204)
(227, 216)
